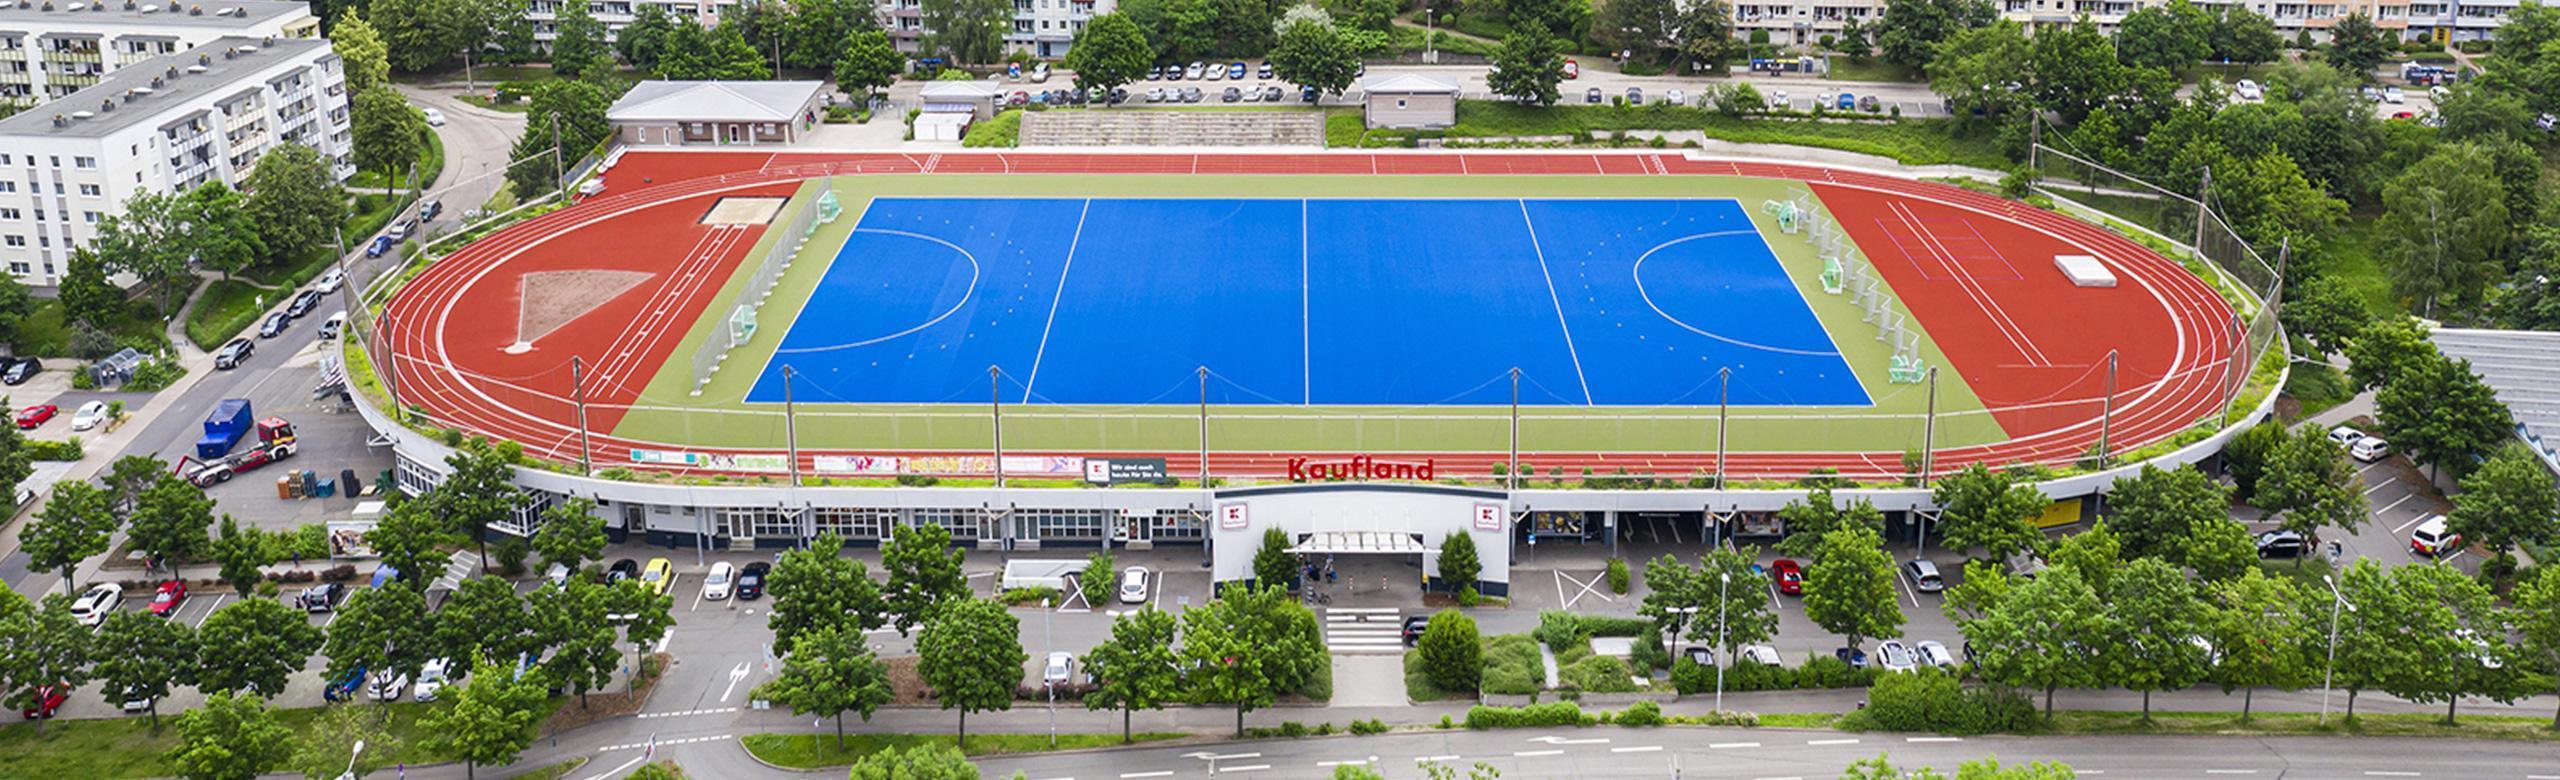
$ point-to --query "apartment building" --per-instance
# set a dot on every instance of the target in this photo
(1804, 22)
(1044, 28)
(158, 125)
(545, 14)
(52, 48)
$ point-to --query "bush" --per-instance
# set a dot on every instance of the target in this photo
(1690, 677)
(1604, 625)
(1003, 131)
(511, 552)
(1468, 597)
(1600, 674)
(1618, 576)
(155, 374)
(1935, 701)
(1096, 578)
(1558, 629)
(1829, 672)
(339, 573)
(1452, 651)
(1649, 654)
(1015, 597)
(1548, 715)
(1758, 677)
(1459, 563)
(1367, 727)
(39, 449)
(1512, 666)
(1643, 713)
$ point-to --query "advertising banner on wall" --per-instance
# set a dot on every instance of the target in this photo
(1113, 471)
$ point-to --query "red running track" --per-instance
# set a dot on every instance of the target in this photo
(2032, 346)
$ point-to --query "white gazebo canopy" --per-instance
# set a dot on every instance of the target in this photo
(1361, 542)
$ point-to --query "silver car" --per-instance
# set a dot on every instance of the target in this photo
(1894, 656)
(1934, 653)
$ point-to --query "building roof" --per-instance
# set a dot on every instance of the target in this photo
(163, 82)
(955, 90)
(221, 14)
(2523, 368)
(1409, 84)
(696, 101)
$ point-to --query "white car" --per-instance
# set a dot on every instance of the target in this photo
(1761, 654)
(2248, 90)
(2393, 95)
(2365, 450)
(434, 118)
(1674, 97)
(1040, 73)
(1934, 653)
(2345, 436)
(389, 684)
(1778, 99)
(91, 415)
(2479, 649)
(330, 282)
(716, 585)
(1133, 585)
(92, 607)
(1894, 656)
(431, 678)
(1060, 669)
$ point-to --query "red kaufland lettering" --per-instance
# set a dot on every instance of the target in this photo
(1359, 467)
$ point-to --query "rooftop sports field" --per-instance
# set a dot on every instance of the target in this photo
(1332, 314)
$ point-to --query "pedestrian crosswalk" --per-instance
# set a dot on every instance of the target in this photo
(1364, 629)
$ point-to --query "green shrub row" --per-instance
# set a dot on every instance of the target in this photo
(1935, 701)
(1690, 677)
(1599, 674)
(1512, 666)
(1560, 713)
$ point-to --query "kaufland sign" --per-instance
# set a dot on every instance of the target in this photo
(1359, 467)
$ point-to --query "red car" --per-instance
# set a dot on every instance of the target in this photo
(1789, 575)
(171, 594)
(33, 416)
(1572, 69)
(48, 699)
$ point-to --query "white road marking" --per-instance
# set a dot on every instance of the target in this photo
(618, 770)
(1247, 768)
(1729, 745)
(736, 674)
(1833, 742)
(1564, 741)
(2230, 771)
(1346, 762)
(2403, 527)
(1535, 753)
(1136, 775)
(2378, 486)
(697, 598)
(2390, 774)
(1645, 749)
(1933, 739)
(684, 713)
(663, 743)
(1429, 759)
(2369, 467)
(1898, 579)
(1789, 777)
(1232, 756)
(208, 612)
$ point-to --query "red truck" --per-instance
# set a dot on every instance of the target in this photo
(275, 442)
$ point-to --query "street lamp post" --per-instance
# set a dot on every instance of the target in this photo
(350, 774)
(2337, 600)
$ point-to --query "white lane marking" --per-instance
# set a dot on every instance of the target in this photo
(1429, 759)
(1345, 762)
(1232, 756)
(1564, 741)
(1833, 742)
(2230, 771)
(736, 674)
(1247, 768)
(1645, 749)
(1535, 753)
(1136, 775)
(1730, 745)
(662, 743)
(1934, 739)
(686, 713)
(2371, 773)
(1789, 777)
(618, 770)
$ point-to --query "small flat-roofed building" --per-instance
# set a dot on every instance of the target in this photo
(1410, 102)
(717, 113)
(951, 97)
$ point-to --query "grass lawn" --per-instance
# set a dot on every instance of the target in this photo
(225, 308)
(816, 751)
(230, 307)
(2305, 723)
(45, 333)
(1846, 68)
(1909, 141)
(429, 166)
(2352, 256)
(2318, 387)
(1799, 720)
(483, 101)
(127, 747)
(554, 771)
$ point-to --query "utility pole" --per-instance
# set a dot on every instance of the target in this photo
(2107, 412)
(2204, 195)
(995, 412)
(1724, 579)
(1204, 427)
(1724, 405)
(389, 370)
(578, 392)
(346, 283)
(559, 174)
(2330, 677)
(1514, 470)
(790, 425)
(1929, 430)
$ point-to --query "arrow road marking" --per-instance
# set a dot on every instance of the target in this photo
(736, 675)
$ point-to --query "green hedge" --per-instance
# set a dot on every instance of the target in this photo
(1550, 714)
(1004, 131)
(1599, 674)
(1909, 141)
(1935, 701)
(39, 449)
(1512, 666)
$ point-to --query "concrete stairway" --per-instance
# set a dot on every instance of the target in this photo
(1139, 127)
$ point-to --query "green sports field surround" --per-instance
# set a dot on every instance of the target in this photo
(721, 417)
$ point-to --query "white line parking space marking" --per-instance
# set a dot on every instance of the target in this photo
(2403, 527)
(1732, 745)
(1430, 759)
(1645, 749)
(2378, 486)
(208, 612)
(2390, 774)
(1906, 587)
(663, 743)
(1833, 742)
(2370, 467)
(1136, 775)
(1933, 739)
(1535, 753)
(684, 713)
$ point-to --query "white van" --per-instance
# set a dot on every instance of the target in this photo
(329, 327)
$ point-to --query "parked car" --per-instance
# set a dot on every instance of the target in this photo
(16, 371)
(435, 118)
(2281, 544)
(1869, 104)
(1231, 95)
(91, 415)
(1307, 95)
(659, 574)
(92, 606)
(1133, 585)
(2345, 436)
(1924, 576)
(1060, 670)
(1253, 95)
(1572, 69)
(1192, 94)
(2369, 449)
(1847, 102)
(1040, 73)
(2393, 95)
(233, 354)
(1934, 653)
(275, 325)
(430, 209)
(402, 230)
(621, 570)
(34, 416)
(302, 304)
(390, 685)
(1155, 73)
(431, 678)
(1789, 575)
(1195, 71)
(1701, 655)
(1271, 94)
(1778, 99)
(717, 583)
(2248, 90)
(1155, 94)
(751, 580)
(1591, 95)
(380, 245)
(1674, 97)
(1894, 656)
(2479, 649)
(1635, 96)
(346, 686)
(166, 600)
(47, 699)
(1264, 71)
(2432, 539)
(1236, 71)
(1856, 658)
(1214, 73)
(323, 597)
(556, 575)
(1760, 654)
(1413, 628)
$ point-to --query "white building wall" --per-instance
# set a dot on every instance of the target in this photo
(46, 54)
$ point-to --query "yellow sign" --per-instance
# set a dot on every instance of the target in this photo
(2064, 512)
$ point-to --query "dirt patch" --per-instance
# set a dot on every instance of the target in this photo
(547, 300)
(906, 683)
(601, 706)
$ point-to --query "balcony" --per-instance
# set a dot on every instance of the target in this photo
(73, 55)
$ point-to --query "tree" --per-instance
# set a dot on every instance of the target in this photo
(2472, 111)
(577, 43)
(1560, 18)
(576, 109)
(1452, 651)
(924, 574)
(481, 488)
(2154, 616)
(16, 464)
(2259, 629)
(1459, 564)
(141, 657)
(2039, 635)
(2097, 553)
(149, 241)
(828, 673)
(219, 229)
(1110, 51)
(1849, 589)
(2441, 414)
(2155, 511)
(2508, 502)
(1529, 68)
(1248, 646)
(411, 539)
(1706, 39)
(380, 630)
(2386, 348)
(73, 527)
(2243, 36)
(816, 34)
(646, 615)
(416, 34)
(870, 63)
(2075, 69)
(816, 587)
(1992, 511)
(389, 135)
(1642, 28)
(1273, 567)
(2322, 311)
(1683, 601)
(87, 298)
(2307, 485)
(644, 41)
(2448, 615)
(970, 32)
(2370, 650)
(571, 534)
(328, 745)
(47, 646)
(2444, 224)
(971, 655)
(491, 719)
(2357, 46)
(2537, 618)
(1910, 32)
(478, 24)
(483, 618)
(294, 200)
(230, 738)
(2170, 36)
(236, 646)
(927, 761)
(365, 60)
(1808, 521)
(575, 623)
(240, 553)
(169, 520)
(1135, 669)
(1311, 52)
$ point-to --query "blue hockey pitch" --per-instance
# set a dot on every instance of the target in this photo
(1112, 301)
